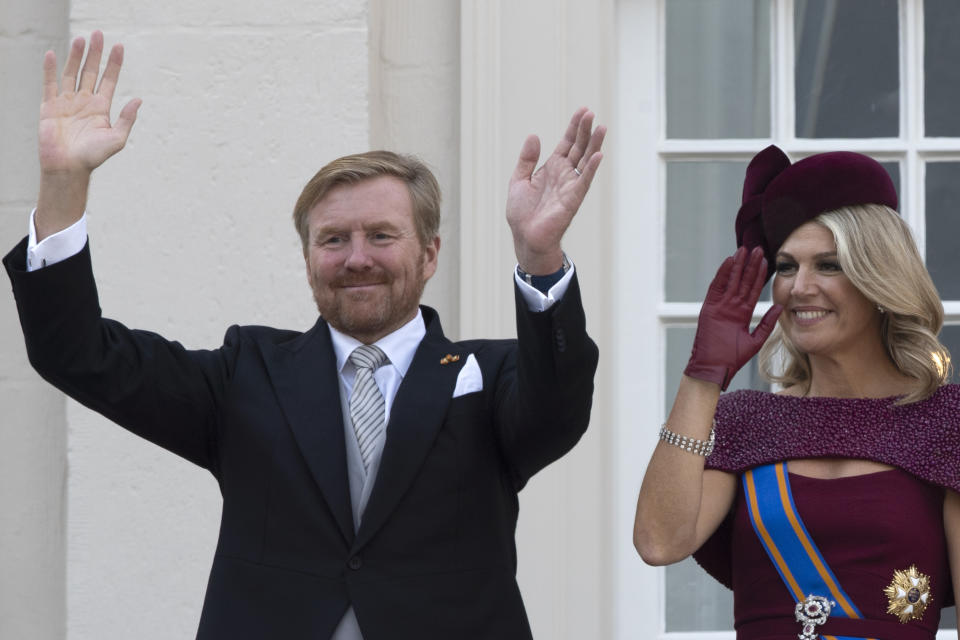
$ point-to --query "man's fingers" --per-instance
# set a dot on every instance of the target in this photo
(128, 115)
(527, 162)
(112, 73)
(595, 144)
(50, 86)
(579, 147)
(91, 68)
(587, 173)
(68, 84)
(570, 135)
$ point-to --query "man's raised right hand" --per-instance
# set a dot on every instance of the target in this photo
(75, 133)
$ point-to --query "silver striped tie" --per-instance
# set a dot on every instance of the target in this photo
(367, 407)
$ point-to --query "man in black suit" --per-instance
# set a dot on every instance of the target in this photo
(369, 467)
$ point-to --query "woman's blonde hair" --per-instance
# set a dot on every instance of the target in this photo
(877, 253)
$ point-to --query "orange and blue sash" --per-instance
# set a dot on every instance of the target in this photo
(791, 549)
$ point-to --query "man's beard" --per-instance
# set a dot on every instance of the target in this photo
(376, 314)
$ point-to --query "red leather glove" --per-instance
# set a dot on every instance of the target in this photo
(723, 342)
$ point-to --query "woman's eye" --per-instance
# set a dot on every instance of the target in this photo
(784, 267)
(830, 266)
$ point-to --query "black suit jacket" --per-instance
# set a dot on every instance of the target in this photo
(434, 556)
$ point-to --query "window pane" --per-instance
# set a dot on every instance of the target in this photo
(679, 344)
(948, 619)
(950, 337)
(695, 601)
(702, 203)
(718, 68)
(941, 73)
(943, 227)
(847, 69)
(686, 582)
(893, 168)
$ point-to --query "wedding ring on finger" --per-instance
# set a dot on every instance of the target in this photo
(577, 171)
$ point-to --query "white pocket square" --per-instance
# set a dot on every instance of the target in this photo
(470, 379)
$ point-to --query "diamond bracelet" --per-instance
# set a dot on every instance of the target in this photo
(699, 447)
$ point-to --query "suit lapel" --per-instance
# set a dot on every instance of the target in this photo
(304, 374)
(416, 417)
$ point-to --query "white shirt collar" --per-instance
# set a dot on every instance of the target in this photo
(400, 346)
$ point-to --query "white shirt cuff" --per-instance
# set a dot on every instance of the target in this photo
(537, 301)
(59, 246)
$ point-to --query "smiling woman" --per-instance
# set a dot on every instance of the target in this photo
(785, 498)
(874, 261)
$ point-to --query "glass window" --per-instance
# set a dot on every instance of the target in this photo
(686, 584)
(893, 168)
(846, 68)
(950, 337)
(941, 24)
(943, 227)
(718, 68)
(702, 203)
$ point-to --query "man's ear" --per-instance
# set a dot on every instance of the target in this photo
(306, 264)
(430, 255)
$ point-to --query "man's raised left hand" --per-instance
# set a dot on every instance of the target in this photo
(541, 203)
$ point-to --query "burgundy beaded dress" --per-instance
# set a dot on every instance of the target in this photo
(867, 527)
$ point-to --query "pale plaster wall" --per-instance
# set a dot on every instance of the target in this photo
(33, 440)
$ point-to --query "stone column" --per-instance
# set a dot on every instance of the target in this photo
(415, 108)
(32, 423)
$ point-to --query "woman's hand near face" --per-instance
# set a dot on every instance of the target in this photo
(724, 343)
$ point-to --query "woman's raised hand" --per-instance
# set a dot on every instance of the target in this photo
(724, 342)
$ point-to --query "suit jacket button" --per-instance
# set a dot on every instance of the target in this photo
(355, 563)
(560, 339)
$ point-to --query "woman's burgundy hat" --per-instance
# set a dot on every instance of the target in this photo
(778, 196)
